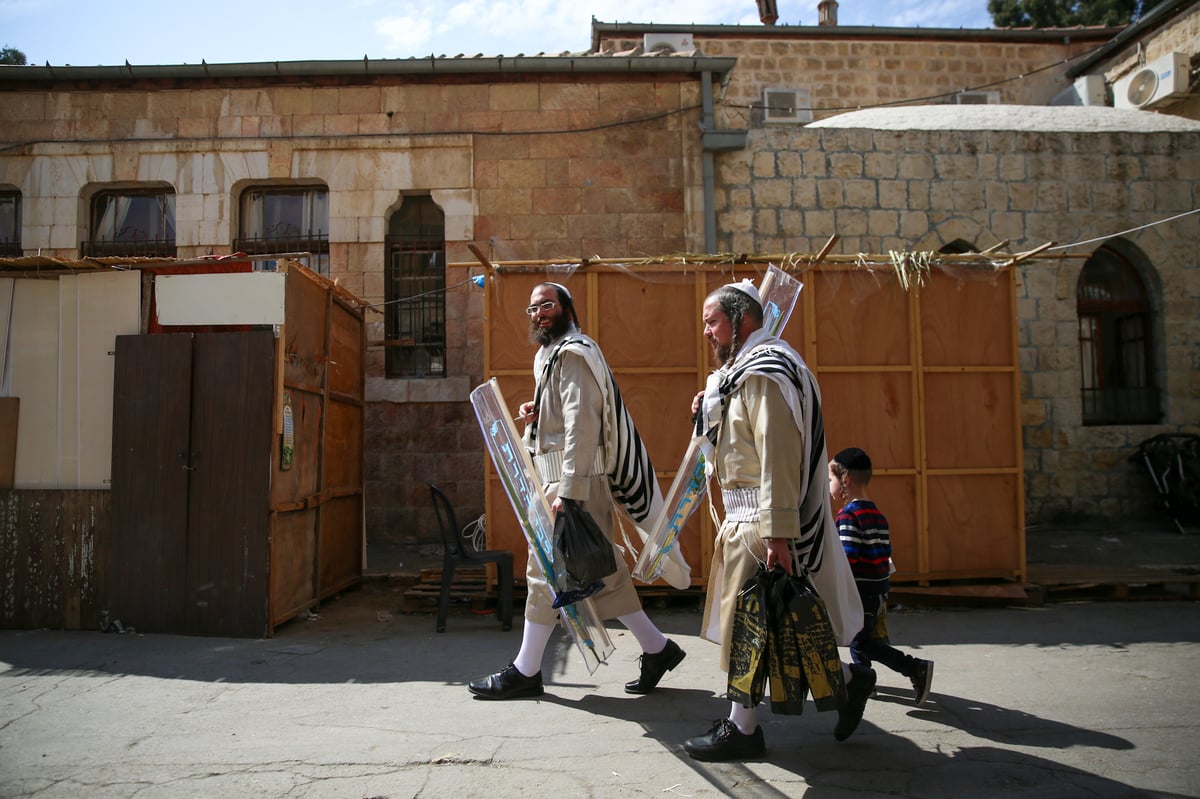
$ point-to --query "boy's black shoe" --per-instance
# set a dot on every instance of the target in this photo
(507, 684)
(654, 667)
(858, 691)
(922, 680)
(725, 742)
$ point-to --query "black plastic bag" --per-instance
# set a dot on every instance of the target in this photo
(587, 555)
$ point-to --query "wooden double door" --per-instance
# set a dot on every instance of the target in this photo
(191, 478)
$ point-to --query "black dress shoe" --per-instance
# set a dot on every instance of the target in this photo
(725, 742)
(858, 691)
(507, 684)
(654, 667)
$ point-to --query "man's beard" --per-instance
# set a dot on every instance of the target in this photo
(723, 353)
(544, 335)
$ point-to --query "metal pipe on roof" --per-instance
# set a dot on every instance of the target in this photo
(708, 171)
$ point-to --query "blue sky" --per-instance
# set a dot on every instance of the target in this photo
(106, 32)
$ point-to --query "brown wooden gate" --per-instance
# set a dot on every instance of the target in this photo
(920, 371)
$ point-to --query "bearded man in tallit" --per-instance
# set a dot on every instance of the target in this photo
(760, 416)
(583, 445)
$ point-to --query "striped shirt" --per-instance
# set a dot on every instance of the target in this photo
(868, 544)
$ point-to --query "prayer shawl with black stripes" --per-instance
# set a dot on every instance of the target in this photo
(630, 473)
(818, 550)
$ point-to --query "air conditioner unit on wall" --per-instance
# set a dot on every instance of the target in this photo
(1087, 90)
(1162, 80)
(790, 106)
(668, 43)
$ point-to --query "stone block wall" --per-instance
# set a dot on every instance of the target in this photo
(536, 166)
(789, 191)
(859, 70)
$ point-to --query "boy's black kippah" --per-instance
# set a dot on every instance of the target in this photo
(854, 459)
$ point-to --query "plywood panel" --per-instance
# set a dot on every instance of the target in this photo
(347, 349)
(341, 544)
(293, 566)
(646, 320)
(303, 479)
(861, 317)
(970, 418)
(344, 447)
(661, 407)
(305, 356)
(975, 526)
(508, 342)
(896, 497)
(872, 410)
(109, 306)
(67, 445)
(33, 366)
(967, 318)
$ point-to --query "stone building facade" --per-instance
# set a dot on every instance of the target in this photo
(535, 159)
(918, 188)
(604, 154)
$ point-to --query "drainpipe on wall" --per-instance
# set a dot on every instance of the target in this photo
(713, 141)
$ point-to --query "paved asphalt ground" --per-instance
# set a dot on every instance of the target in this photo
(1090, 699)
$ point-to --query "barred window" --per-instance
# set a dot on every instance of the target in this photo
(10, 223)
(415, 321)
(1115, 353)
(132, 222)
(286, 219)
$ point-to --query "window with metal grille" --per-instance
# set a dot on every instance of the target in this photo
(286, 219)
(1115, 353)
(132, 222)
(10, 223)
(415, 290)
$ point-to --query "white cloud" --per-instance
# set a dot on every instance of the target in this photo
(406, 34)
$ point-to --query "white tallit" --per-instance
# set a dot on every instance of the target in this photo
(819, 549)
(626, 462)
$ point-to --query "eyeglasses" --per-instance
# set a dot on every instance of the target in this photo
(548, 305)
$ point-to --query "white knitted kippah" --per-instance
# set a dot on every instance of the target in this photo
(747, 288)
(563, 289)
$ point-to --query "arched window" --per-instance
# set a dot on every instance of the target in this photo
(1115, 353)
(286, 219)
(132, 222)
(415, 290)
(957, 247)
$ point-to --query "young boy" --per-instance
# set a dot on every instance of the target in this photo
(864, 533)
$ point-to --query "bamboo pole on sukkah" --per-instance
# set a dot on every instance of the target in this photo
(909, 266)
(784, 260)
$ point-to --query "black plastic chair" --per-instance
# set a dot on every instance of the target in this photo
(455, 553)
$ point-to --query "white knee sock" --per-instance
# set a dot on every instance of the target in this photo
(533, 645)
(648, 636)
(745, 718)
(846, 675)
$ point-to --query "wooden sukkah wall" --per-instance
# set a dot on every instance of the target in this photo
(915, 353)
(68, 554)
